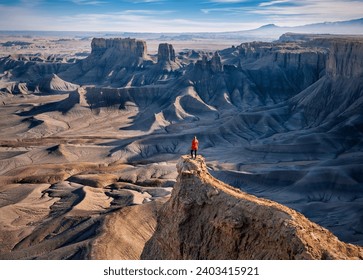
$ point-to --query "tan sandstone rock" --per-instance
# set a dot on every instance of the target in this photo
(207, 219)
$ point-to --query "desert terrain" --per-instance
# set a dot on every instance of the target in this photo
(209, 220)
(91, 130)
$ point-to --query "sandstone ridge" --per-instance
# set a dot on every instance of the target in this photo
(207, 219)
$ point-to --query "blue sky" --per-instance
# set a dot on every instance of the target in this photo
(170, 15)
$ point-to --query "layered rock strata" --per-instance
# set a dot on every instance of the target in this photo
(123, 45)
(166, 52)
(207, 219)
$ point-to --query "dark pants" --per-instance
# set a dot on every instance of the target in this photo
(195, 153)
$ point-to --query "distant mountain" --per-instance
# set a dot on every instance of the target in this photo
(272, 31)
(267, 26)
(268, 32)
(358, 22)
(340, 27)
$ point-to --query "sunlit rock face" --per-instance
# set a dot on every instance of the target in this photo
(166, 52)
(125, 46)
(207, 219)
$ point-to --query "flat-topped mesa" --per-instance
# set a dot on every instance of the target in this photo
(344, 53)
(207, 219)
(125, 46)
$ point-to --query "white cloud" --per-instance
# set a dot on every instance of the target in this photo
(25, 18)
(296, 12)
(310, 11)
(147, 12)
(225, 10)
(132, 21)
(138, 20)
(264, 4)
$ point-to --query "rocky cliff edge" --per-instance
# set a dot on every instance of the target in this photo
(207, 219)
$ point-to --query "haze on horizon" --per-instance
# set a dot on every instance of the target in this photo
(170, 16)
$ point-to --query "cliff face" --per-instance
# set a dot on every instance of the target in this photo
(112, 62)
(207, 219)
(345, 59)
(127, 46)
(166, 52)
(301, 64)
(342, 55)
(336, 96)
(166, 58)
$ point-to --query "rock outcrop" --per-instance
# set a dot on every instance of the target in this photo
(54, 84)
(207, 219)
(126, 46)
(214, 65)
(166, 52)
(345, 59)
(113, 61)
(283, 67)
(166, 58)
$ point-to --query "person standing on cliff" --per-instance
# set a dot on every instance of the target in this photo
(194, 147)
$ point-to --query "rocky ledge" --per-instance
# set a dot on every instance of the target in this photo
(207, 219)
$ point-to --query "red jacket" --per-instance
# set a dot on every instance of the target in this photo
(195, 144)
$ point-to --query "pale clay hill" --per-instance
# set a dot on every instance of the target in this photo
(207, 219)
(87, 145)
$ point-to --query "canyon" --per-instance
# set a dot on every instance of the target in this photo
(87, 144)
